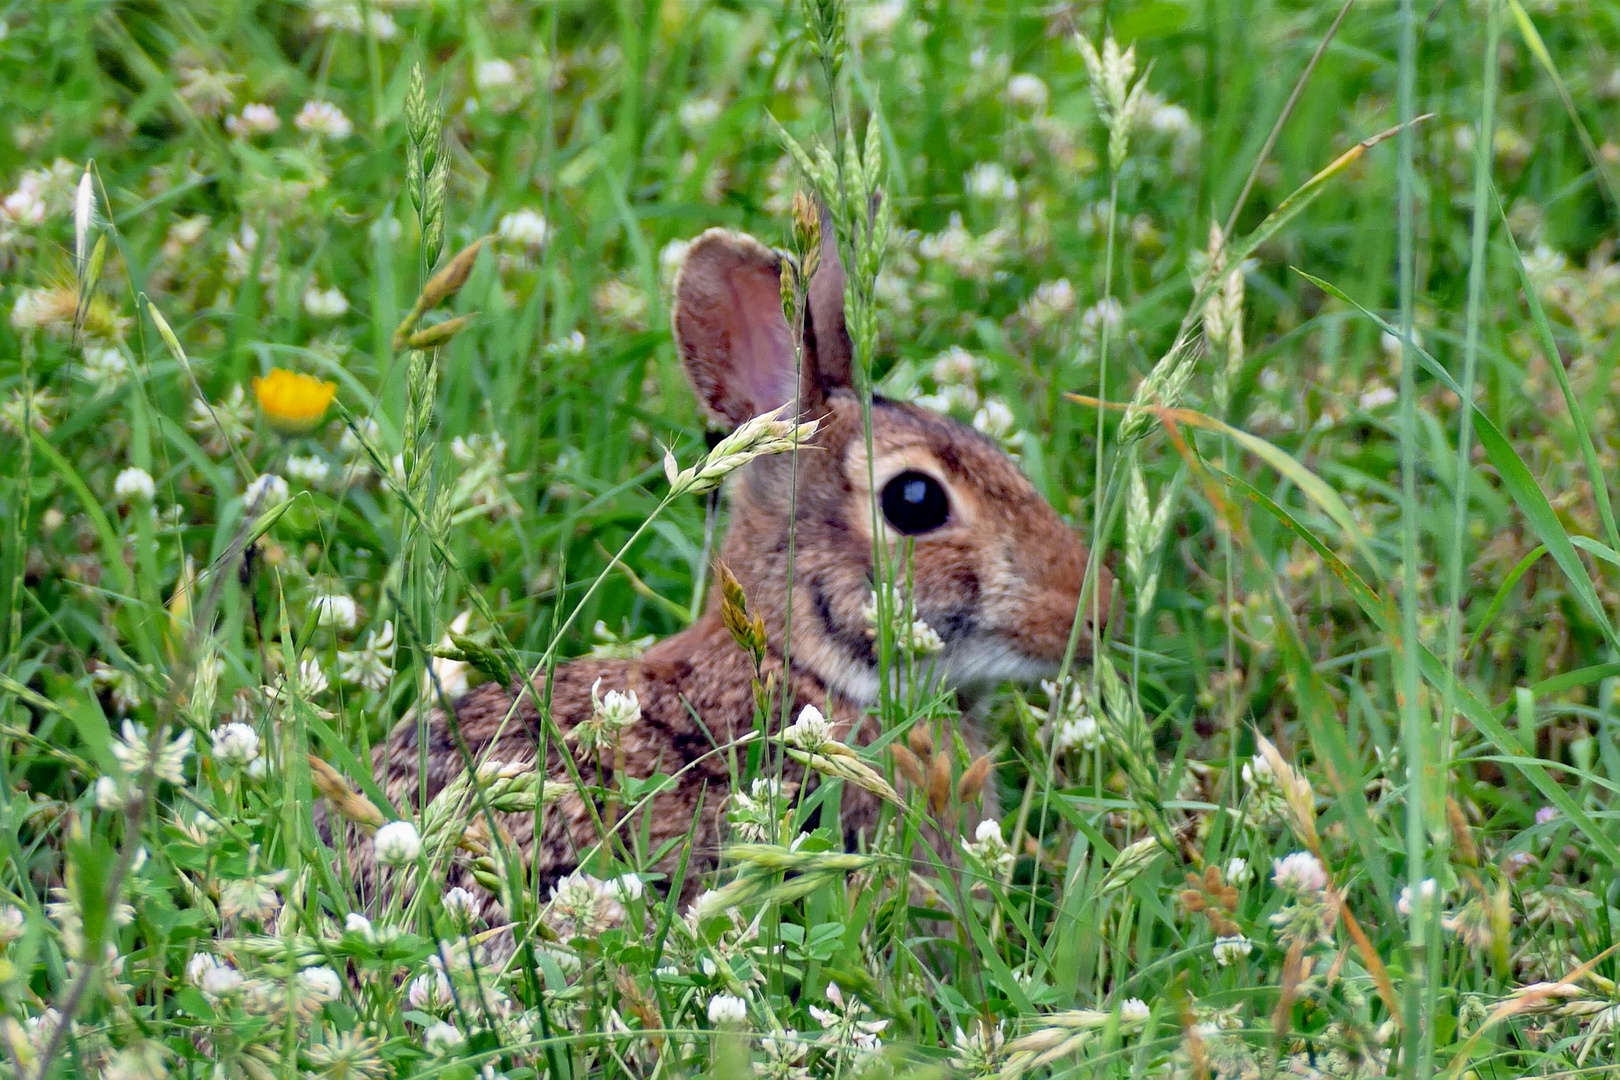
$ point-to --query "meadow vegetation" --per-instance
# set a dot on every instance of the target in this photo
(335, 376)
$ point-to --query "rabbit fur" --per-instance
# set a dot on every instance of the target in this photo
(999, 581)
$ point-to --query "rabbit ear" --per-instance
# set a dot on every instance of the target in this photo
(825, 333)
(735, 342)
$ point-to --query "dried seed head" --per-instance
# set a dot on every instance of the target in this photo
(909, 764)
(438, 333)
(939, 782)
(344, 799)
(448, 281)
(921, 740)
(972, 783)
(1462, 837)
(746, 630)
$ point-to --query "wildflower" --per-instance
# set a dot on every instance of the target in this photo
(441, 1039)
(460, 904)
(430, 992)
(1230, 949)
(25, 408)
(335, 609)
(914, 638)
(1238, 871)
(1472, 924)
(996, 420)
(236, 744)
(494, 74)
(705, 906)
(219, 980)
(989, 180)
(846, 1031)
(1377, 396)
(754, 815)
(525, 228)
(371, 665)
(265, 492)
(782, 1056)
(1105, 317)
(698, 113)
(1299, 872)
(621, 303)
(256, 118)
(626, 887)
(990, 847)
(208, 92)
(347, 1055)
(610, 714)
(726, 1010)
(24, 206)
(329, 303)
(1546, 815)
(311, 681)
(134, 485)
(225, 423)
(293, 403)
(248, 898)
(1134, 1011)
(980, 1053)
(877, 18)
(1027, 91)
(397, 843)
(324, 120)
(572, 345)
(12, 923)
(134, 753)
(308, 468)
(1428, 889)
(105, 366)
(810, 732)
(583, 906)
(1264, 789)
(762, 435)
(1050, 304)
(321, 983)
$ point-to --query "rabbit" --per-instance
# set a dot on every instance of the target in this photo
(996, 574)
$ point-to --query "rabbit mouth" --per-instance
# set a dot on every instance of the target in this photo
(979, 665)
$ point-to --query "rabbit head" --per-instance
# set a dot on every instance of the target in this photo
(995, 572)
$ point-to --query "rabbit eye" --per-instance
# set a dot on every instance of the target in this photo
(915, 502)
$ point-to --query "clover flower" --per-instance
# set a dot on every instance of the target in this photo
(441, 1039)
(335, 609)
(236, 744)
(372, 665)
(810, 732)
(397, 843)
(611, 713)
(727, 1010)
(323, 120)
(265, 493)
(134, 485)
(256, 118)
(524, 228)
(430, 992)
(328, 303)
(1228, 950)
(1027, 91)
(460, 904)
(990, 847)
(134, 752)
(1299, 872)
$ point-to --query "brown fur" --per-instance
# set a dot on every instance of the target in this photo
(999, 581)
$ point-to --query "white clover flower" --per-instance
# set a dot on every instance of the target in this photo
(1377, 396)
(1134, 1011)
(616, 708)
(321, 983)
(133, 750)
(494, 74)
(236, 744)
(248, 898)
(726, 1010)
(1077, 732)
(220, 981)
(989, 180)
(327, 303)
(335, 609)
(460, 904)
(323, 119)
(371, 665)
(265, 493)
(1238, 871)
(1257, 773)
(990, 847)
(627, 887)
(12, 924)
(1170, 119)
(572, 345)
(441, 1039)
(914, 638)
(1428, 889)
(311, 680)
(1049, 304)
(698, 113)
(1299, 872)
(670, 257)
(134, 485)
(1027, 91)
(810, 732)
(956, 367)
(1106, 315)
(1229, 950)
(256, 118)
(397, 843)
(310, 468)
(24, 206)
(525, 228)
(876, 18)
(430, 992)
(105, 366)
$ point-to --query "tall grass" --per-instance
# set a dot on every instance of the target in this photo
(1324, 369)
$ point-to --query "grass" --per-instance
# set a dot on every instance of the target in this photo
(1364, 631)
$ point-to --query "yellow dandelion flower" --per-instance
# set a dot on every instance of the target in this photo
(293, 403)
